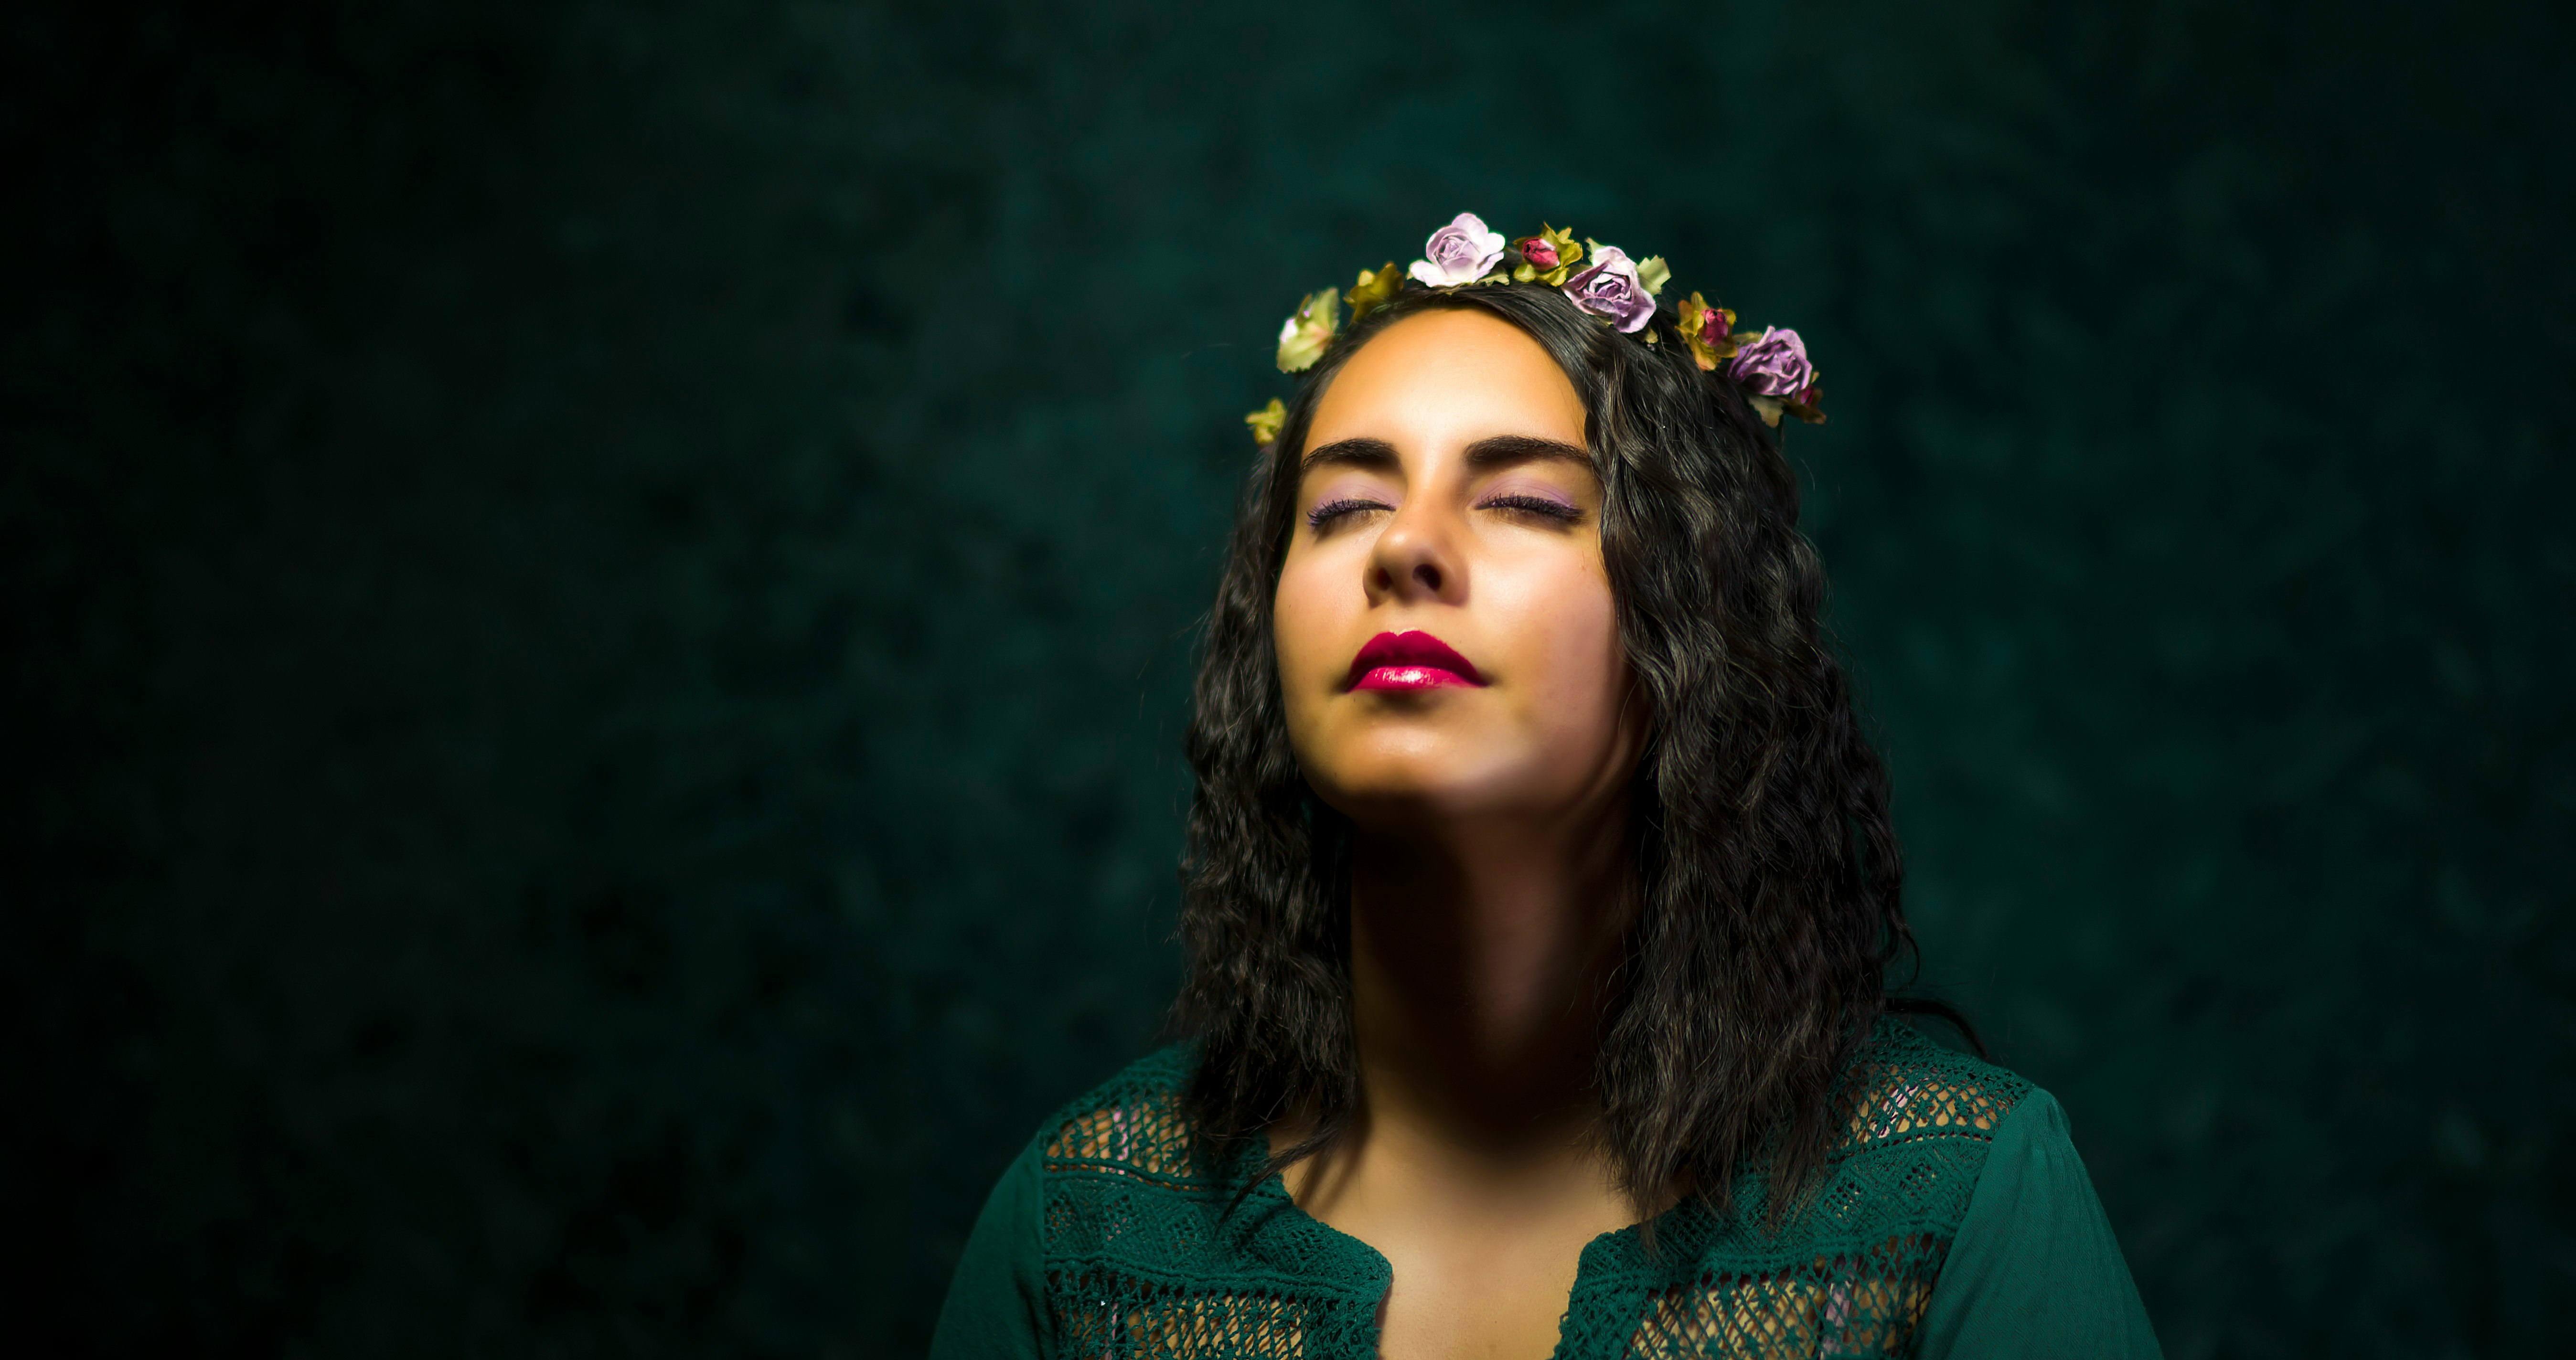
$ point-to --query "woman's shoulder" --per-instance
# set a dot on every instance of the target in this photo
(1912, 1125)
(1134, 1126)
(1903, 1091)
(1104, 1202)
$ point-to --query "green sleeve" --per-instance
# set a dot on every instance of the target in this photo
(2034, 1270)
(997, 1300)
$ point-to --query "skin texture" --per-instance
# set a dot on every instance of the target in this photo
(1445, 490)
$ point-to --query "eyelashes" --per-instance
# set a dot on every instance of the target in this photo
(1330, 511)
(1541, 506)
(1333, 511)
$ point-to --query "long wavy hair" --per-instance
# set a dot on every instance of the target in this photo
(1767, 868)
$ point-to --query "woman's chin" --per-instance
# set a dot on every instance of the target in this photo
(1404, 796)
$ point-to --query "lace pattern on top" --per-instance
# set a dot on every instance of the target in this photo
(1101, 1314)
(1144, 1258)
(1854, 1305)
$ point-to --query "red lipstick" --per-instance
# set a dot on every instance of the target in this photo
(1410, 661)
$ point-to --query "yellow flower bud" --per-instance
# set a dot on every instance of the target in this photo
(1265, 422)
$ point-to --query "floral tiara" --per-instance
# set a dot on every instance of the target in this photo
(1771, 366)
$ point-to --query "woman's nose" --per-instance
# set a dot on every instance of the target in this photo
(1416, 559)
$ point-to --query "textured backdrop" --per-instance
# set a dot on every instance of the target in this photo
(598, 603)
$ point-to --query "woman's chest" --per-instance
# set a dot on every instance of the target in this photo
(1141, 1274)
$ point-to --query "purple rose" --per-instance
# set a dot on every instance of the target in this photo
(1461, 252)
(1611, 288)
(1775, 365)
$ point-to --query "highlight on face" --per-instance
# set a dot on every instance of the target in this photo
(1446, 637)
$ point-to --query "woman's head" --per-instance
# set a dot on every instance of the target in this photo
(1446, 641)
(1650, 617)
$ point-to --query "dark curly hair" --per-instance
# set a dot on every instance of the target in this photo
(1767, 866)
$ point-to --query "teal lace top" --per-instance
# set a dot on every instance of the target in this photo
(1953, 1220)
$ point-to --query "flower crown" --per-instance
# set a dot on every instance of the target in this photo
(1771, 366)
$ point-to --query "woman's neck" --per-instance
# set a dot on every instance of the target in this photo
(1473, 1165)
(1479, 963)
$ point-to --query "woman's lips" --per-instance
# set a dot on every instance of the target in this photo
(1410, 661)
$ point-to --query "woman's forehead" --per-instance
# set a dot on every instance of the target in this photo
(1446, 379)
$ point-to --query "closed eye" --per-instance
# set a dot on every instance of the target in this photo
(1541, 506)
(1331, 511)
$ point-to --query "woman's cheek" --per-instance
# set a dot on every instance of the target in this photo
(1570, 625)
(1303, 635)
(1293, 623)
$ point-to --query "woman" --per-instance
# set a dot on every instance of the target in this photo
(1541, 900)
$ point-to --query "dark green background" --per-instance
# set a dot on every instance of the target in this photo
(599, 599)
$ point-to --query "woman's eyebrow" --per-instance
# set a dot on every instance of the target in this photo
(1367, 453)
(1502, 450)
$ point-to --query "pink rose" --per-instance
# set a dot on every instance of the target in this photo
(1461, 252)
(1775, 365)
(1540, 252)
(1611, 288)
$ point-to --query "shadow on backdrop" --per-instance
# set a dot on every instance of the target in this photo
(598, 603)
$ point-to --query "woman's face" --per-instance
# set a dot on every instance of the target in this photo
(1447, 645)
